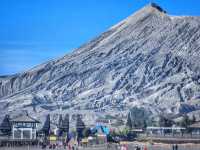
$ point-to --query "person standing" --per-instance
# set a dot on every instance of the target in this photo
(145, 147)
(126, 147)
(176, 147)
(69, 146)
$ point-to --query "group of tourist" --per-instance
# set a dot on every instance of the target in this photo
(68, 146)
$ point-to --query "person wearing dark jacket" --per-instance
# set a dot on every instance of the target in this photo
(176, 147)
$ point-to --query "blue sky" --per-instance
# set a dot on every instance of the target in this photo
(34, 31)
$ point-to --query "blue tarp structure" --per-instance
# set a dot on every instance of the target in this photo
(105, 130)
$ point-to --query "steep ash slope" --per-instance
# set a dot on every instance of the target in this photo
(150, 59)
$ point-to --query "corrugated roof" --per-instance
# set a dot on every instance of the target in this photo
(24, 118)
